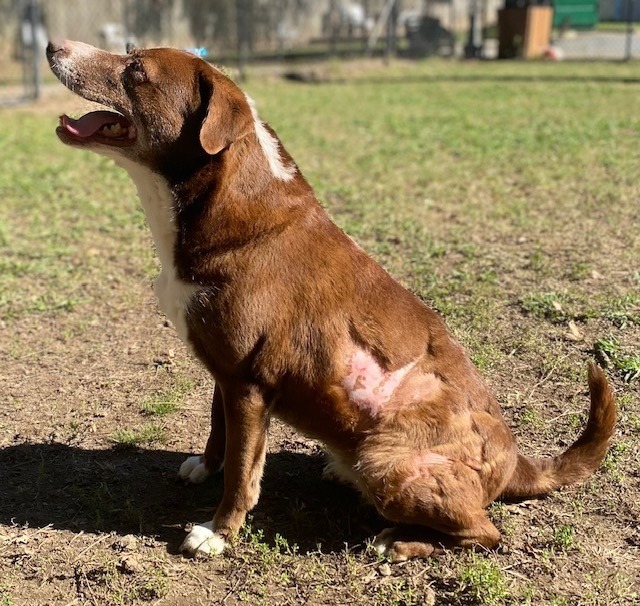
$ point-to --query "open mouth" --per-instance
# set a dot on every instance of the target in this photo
(105, 127)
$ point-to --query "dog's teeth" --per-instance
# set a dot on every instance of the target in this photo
(113, 130)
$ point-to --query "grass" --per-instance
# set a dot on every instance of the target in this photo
(55, 232)
(151, 433)
(610, 352)
(504, 194)
(615, 26)
(564, 537)
(545, 305)
(484, 580)
(106, 583)
(170, 400)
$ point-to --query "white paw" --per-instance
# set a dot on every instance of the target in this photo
(194, 470)
(383, 542)
(203, 541)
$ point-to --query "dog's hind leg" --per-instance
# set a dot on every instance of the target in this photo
(438, 502)
(246, 423)
(198, 468)
(403, 543)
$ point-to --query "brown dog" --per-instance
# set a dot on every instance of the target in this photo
(294, 320)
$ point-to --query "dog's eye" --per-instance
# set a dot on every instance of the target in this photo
(135, 72)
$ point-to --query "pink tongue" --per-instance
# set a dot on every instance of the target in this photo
(90, 123)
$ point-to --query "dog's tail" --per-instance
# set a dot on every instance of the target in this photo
(535, 477)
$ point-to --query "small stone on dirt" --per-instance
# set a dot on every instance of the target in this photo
(131, 564)
(385, 570)
(429, 597)
(372, 574)
(503, 549)
(574, 333)
(128, 543)
(634, 538)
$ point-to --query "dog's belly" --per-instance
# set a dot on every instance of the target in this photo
(174, 296)
(366, 396)
(409, 421)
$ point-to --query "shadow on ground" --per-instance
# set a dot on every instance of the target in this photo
(136, 491)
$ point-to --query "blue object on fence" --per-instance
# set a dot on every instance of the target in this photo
(200, 52)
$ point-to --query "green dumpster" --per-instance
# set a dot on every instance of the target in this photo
(578, 14)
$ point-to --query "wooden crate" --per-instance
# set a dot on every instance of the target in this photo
(524, 32)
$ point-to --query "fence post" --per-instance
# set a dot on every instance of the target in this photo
(473, 48)
(629, 41)
(244, 36)
(391, 46)
(334, 26)
(34, 20)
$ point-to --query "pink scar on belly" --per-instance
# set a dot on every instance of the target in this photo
(369, 386)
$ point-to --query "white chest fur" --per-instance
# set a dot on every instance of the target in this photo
(173, 294)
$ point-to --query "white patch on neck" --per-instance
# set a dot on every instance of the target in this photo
(270, 147)
(173, 293)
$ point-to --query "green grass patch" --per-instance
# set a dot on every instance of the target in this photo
(5, 597)
(169, 401)
(499, 514)
(58, 226)
(151, 433)
(617, 455)
(545, 305)
(610, 353)
(564, 537)
(623, 311)
(483, 579)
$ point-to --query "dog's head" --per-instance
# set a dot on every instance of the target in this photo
(162, 104)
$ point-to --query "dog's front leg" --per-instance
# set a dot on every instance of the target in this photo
(246, 421)
(198, 468)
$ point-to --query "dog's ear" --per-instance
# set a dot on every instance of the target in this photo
(228, 115)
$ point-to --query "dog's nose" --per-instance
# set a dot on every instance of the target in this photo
(55, 46)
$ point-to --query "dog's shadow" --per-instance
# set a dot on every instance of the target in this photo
(136, 491)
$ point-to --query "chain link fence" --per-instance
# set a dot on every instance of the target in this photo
(22, 42)
(243, 31)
